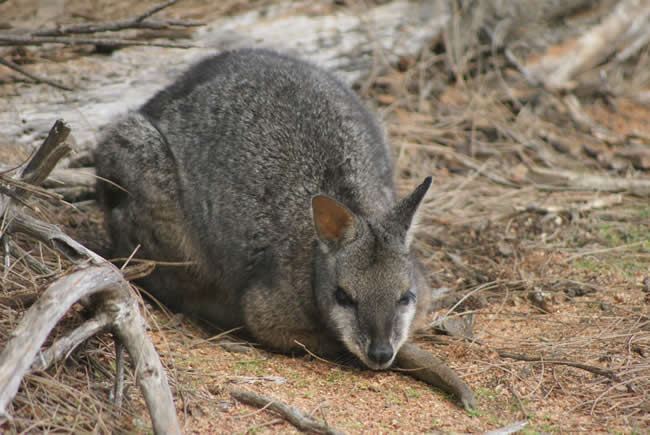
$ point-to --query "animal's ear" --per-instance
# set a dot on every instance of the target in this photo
(335, 224)
(400, 219)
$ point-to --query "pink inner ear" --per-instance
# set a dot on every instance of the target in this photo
(330, 217)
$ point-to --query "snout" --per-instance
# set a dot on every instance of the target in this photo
(380, 353)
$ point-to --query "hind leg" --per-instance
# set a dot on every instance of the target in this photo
(139, 199)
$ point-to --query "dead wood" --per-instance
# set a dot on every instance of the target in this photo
(63, 347)
(40, 164)
(94, 278)
(51, 235)
(60, 35)
(592, 369)
(71, 177)
(424, 366)
(36, 78)
(26, 256)
(20, 352)
(597, 203)
(557, 178)
(66, 40)
(627, 22)
(120, 307)
(293, 415)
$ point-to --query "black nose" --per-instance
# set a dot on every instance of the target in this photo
(380, 353)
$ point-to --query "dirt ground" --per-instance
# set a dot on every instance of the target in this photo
(558, 275)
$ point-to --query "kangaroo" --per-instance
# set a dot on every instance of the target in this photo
(273, 180)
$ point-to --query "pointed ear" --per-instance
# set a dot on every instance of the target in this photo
(334, 222)
(400, 219)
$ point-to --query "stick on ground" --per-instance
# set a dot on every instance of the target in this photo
(293, 415)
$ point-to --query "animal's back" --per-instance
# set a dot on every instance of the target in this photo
(224, 176)
(255, 135)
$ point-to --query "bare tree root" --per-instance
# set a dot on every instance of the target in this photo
(95, 283)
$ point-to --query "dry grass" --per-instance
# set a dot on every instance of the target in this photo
(559, 279)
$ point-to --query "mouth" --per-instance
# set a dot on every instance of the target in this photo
(373, 365)
(358, 351)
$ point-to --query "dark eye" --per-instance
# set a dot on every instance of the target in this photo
(342, 298)
(408, 297)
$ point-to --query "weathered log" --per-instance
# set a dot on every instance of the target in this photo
(115, 306)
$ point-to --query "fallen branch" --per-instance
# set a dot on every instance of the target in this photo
(39, 165)
(65, 40)
(550, 178)
(463, 159)
(293, 415)
(604, 202)
(592, 369)
(60, 35)
(556, 69)
(38, 79)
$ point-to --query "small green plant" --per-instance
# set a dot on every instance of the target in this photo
(412, 394)
(335, 376)
(475, 412)
(253, 367)
(484, 393)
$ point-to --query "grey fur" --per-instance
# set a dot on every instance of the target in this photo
(232, 168)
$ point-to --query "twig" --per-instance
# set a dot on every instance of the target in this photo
(153, 10)
(112, 26)
(14, 66)
(39, 40)
(293, 415)
(313, 355)
(60, 34)
(518, 399)
(602, 251)
(465, 160)
(597, 203)
(33, 262)
(578, 181)
(71, 177)
(593, 369)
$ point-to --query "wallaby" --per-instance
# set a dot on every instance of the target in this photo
(274, 181)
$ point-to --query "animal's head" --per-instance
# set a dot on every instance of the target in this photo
(365, 279)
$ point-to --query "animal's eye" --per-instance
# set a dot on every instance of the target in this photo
(343, 299)
(407, 298)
